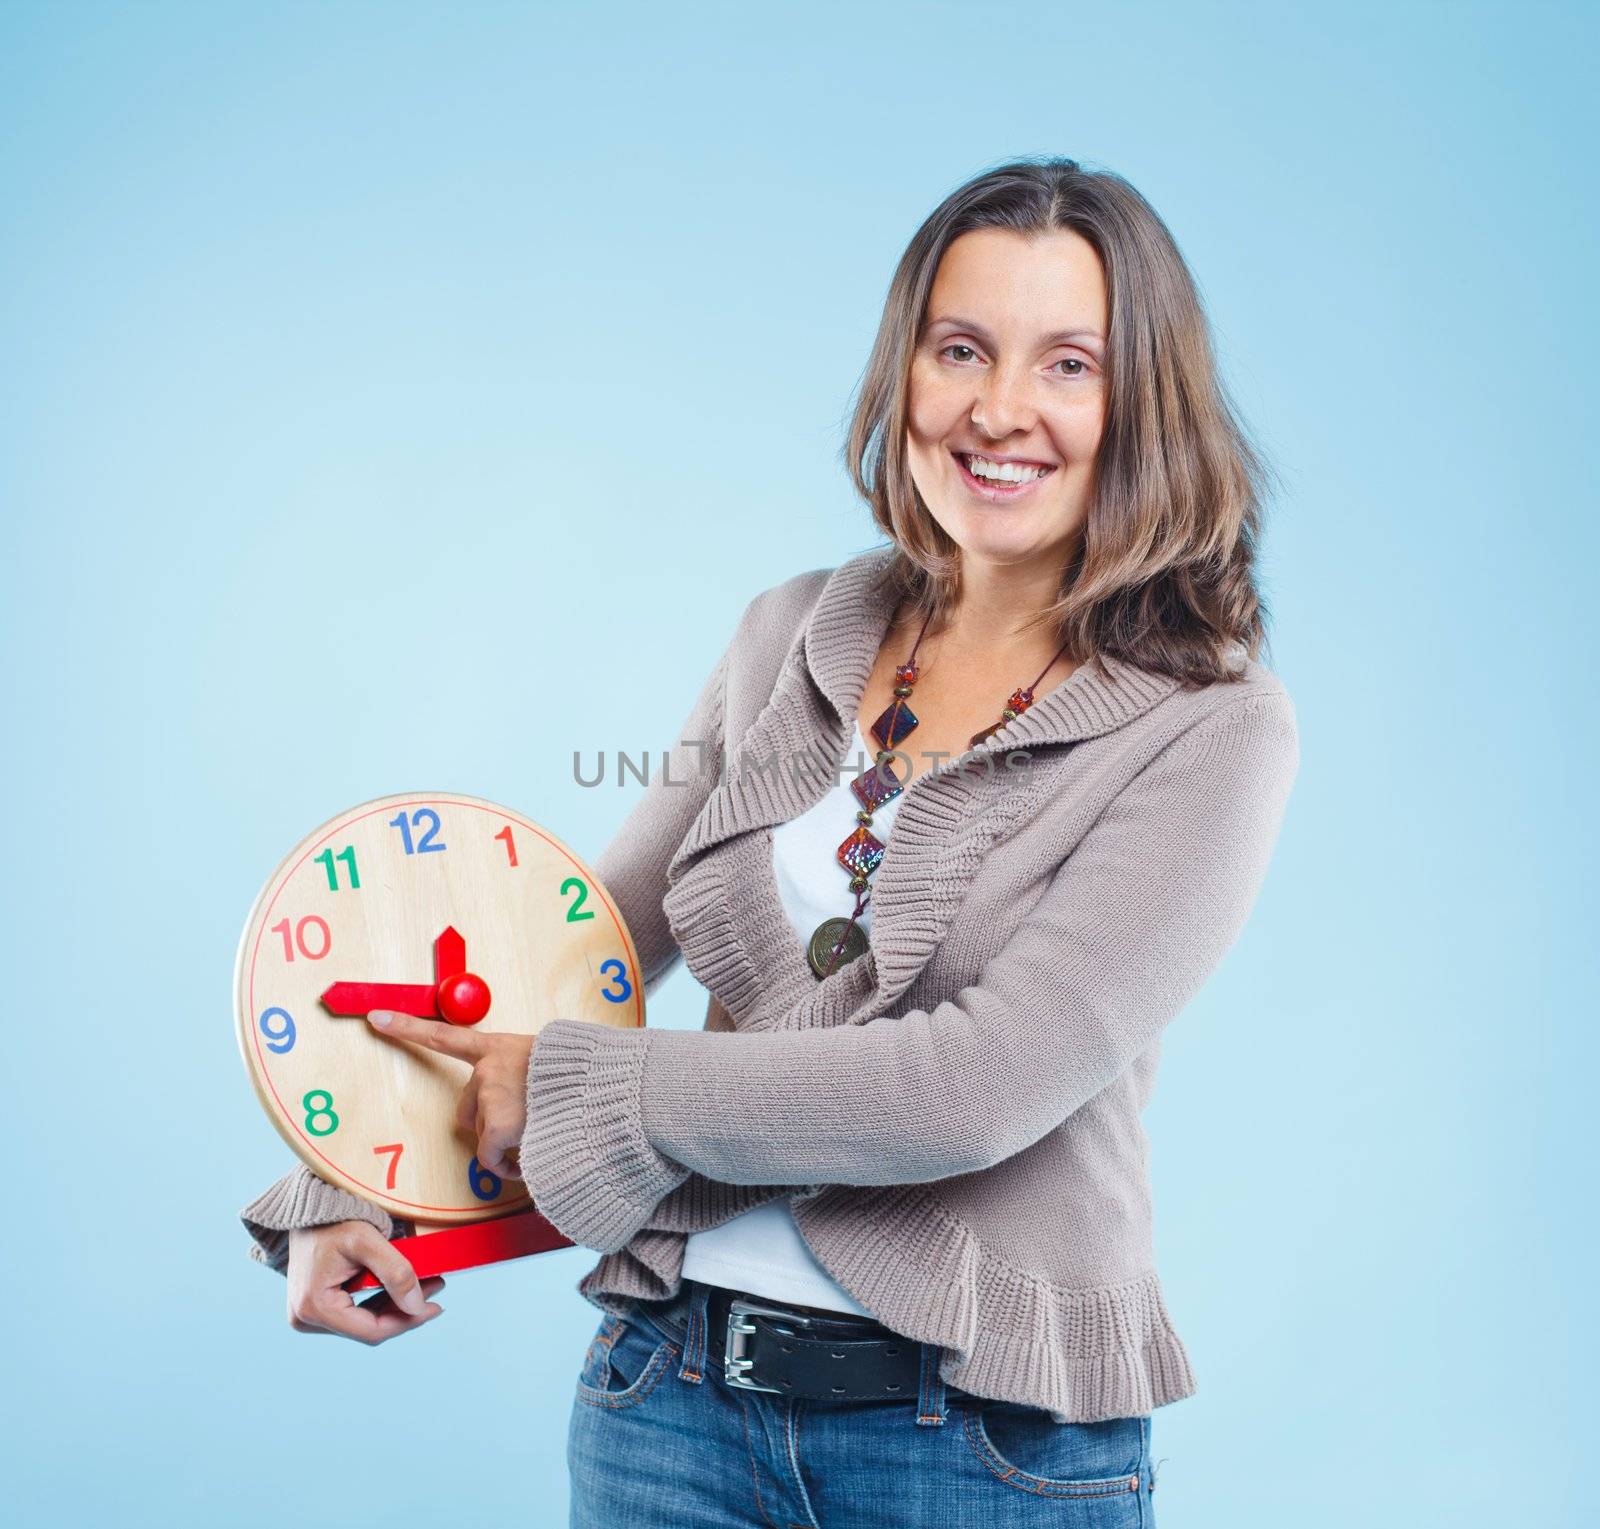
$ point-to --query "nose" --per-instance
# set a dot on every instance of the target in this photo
(1002, 405)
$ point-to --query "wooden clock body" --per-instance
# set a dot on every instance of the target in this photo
(372, 910)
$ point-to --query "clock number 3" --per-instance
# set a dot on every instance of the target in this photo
(425, 844)
(621, 978)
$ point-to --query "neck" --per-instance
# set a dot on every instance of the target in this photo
(996, 601)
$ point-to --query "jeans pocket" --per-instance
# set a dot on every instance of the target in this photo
(1027, 1449)
(626, 1358)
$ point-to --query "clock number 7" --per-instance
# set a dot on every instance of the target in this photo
(425, 844)
(394, 1162)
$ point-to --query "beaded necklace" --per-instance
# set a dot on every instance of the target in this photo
(860, 853)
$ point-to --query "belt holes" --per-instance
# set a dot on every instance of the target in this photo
(892, 1386)
(838, 1388)
(891, 1352)
(836, 1356)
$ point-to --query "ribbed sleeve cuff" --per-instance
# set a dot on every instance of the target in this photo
(301, 1199)
(587, 1163)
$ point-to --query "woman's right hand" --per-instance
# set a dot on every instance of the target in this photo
(322, 1258)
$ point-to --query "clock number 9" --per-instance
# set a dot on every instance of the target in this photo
(278, 1040)
(483, 1183)
(424, 845)
(573, 916)
(621, 978)
(325, 1109)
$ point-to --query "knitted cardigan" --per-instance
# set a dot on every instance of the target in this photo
(957, 1111)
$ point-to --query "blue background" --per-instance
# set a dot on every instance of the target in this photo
(377, 379)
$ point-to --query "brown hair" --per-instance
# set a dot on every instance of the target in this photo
(1163, 573)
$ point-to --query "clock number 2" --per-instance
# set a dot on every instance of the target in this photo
(328, 861)
(394, 1162)
(621, 978)
(483, 1183)
(425, 844)
(573, 916)
(323, 1111)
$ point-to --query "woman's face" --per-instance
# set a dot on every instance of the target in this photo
(1010, 367)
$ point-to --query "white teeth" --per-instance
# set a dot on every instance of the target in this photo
(1002, 472)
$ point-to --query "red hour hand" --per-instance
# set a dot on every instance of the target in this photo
(421, 999)
(449, 954)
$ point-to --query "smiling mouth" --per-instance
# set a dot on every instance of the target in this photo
(999, 481)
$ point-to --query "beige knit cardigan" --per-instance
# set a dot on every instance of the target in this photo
(958, 1110)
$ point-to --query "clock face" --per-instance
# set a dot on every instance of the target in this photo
(445, 906)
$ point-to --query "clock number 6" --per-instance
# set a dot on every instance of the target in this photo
(621, 977)
(484, 1184)
(425, 844)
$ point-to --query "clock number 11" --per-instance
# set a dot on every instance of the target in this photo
(327, 860)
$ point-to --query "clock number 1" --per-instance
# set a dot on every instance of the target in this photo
(394, 1162)
(425, 844)
(510, 843)
(327, 861)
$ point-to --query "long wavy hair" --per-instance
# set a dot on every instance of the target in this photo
(1163, 575)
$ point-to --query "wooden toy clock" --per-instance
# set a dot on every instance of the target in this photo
(448, 907)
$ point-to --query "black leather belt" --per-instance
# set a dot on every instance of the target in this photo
(760, 1344)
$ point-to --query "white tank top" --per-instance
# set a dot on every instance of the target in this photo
(762, 1250)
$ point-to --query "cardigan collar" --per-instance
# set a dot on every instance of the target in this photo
(852, 616)
(722, 901)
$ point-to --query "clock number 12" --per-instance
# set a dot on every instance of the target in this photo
(425, 844)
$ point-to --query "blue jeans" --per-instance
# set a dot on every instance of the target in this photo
(659, 1440)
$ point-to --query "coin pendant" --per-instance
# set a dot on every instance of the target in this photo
(827, 936)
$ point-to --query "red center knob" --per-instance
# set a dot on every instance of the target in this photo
(464, 998)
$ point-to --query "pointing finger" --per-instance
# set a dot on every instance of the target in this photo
(435, 1034)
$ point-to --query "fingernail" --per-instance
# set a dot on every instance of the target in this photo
(380, 1018)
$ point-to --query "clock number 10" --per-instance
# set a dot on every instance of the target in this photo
(319, 928)
(423, 816)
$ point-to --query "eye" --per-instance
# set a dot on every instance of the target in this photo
(1072, 361)
(958, 346)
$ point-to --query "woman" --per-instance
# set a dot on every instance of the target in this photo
(877, 1242)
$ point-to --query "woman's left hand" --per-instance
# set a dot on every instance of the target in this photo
(494, 1104)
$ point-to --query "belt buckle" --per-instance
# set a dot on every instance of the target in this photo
(734, 1362)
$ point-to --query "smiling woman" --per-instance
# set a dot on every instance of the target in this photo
(900, 1179)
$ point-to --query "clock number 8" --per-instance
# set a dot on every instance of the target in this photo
(324, 1109)
(478, 1177)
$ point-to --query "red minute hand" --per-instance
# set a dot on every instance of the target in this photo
(421, 999)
